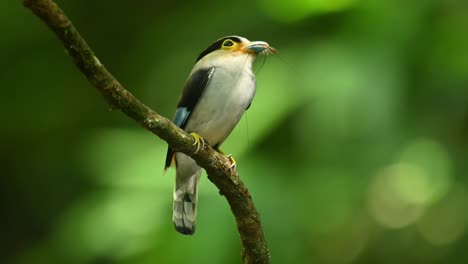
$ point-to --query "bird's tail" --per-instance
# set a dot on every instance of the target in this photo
(185, 200)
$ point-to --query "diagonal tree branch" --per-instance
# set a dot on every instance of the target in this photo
(255, 248)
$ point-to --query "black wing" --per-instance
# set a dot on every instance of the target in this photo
(193, 90)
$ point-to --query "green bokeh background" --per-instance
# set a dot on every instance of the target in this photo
(355, 148)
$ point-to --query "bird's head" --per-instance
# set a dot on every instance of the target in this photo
(235, 46)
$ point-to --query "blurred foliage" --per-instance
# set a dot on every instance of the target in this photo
(355, 148)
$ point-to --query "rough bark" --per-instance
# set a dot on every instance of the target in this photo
(255, 248)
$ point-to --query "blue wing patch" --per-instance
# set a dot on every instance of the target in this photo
(193, 90)
(181, 115)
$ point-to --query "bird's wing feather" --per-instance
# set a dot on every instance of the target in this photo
(193, 90)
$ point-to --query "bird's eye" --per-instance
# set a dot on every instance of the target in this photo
(228, 43)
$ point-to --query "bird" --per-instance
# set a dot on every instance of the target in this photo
(219, 89)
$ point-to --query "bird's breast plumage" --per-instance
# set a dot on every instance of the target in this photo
(227, 96)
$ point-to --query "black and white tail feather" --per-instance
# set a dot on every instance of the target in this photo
(186, 195)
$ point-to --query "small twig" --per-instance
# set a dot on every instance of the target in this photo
(217, 165)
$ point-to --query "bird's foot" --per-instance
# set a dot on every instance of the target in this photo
(199, 141)
(230, 157)
(233, 161)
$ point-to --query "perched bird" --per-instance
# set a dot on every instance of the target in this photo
(218, 91)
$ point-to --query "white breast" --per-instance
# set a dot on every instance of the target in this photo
(229, 93)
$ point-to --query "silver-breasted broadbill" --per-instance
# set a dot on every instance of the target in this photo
(218, 91)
